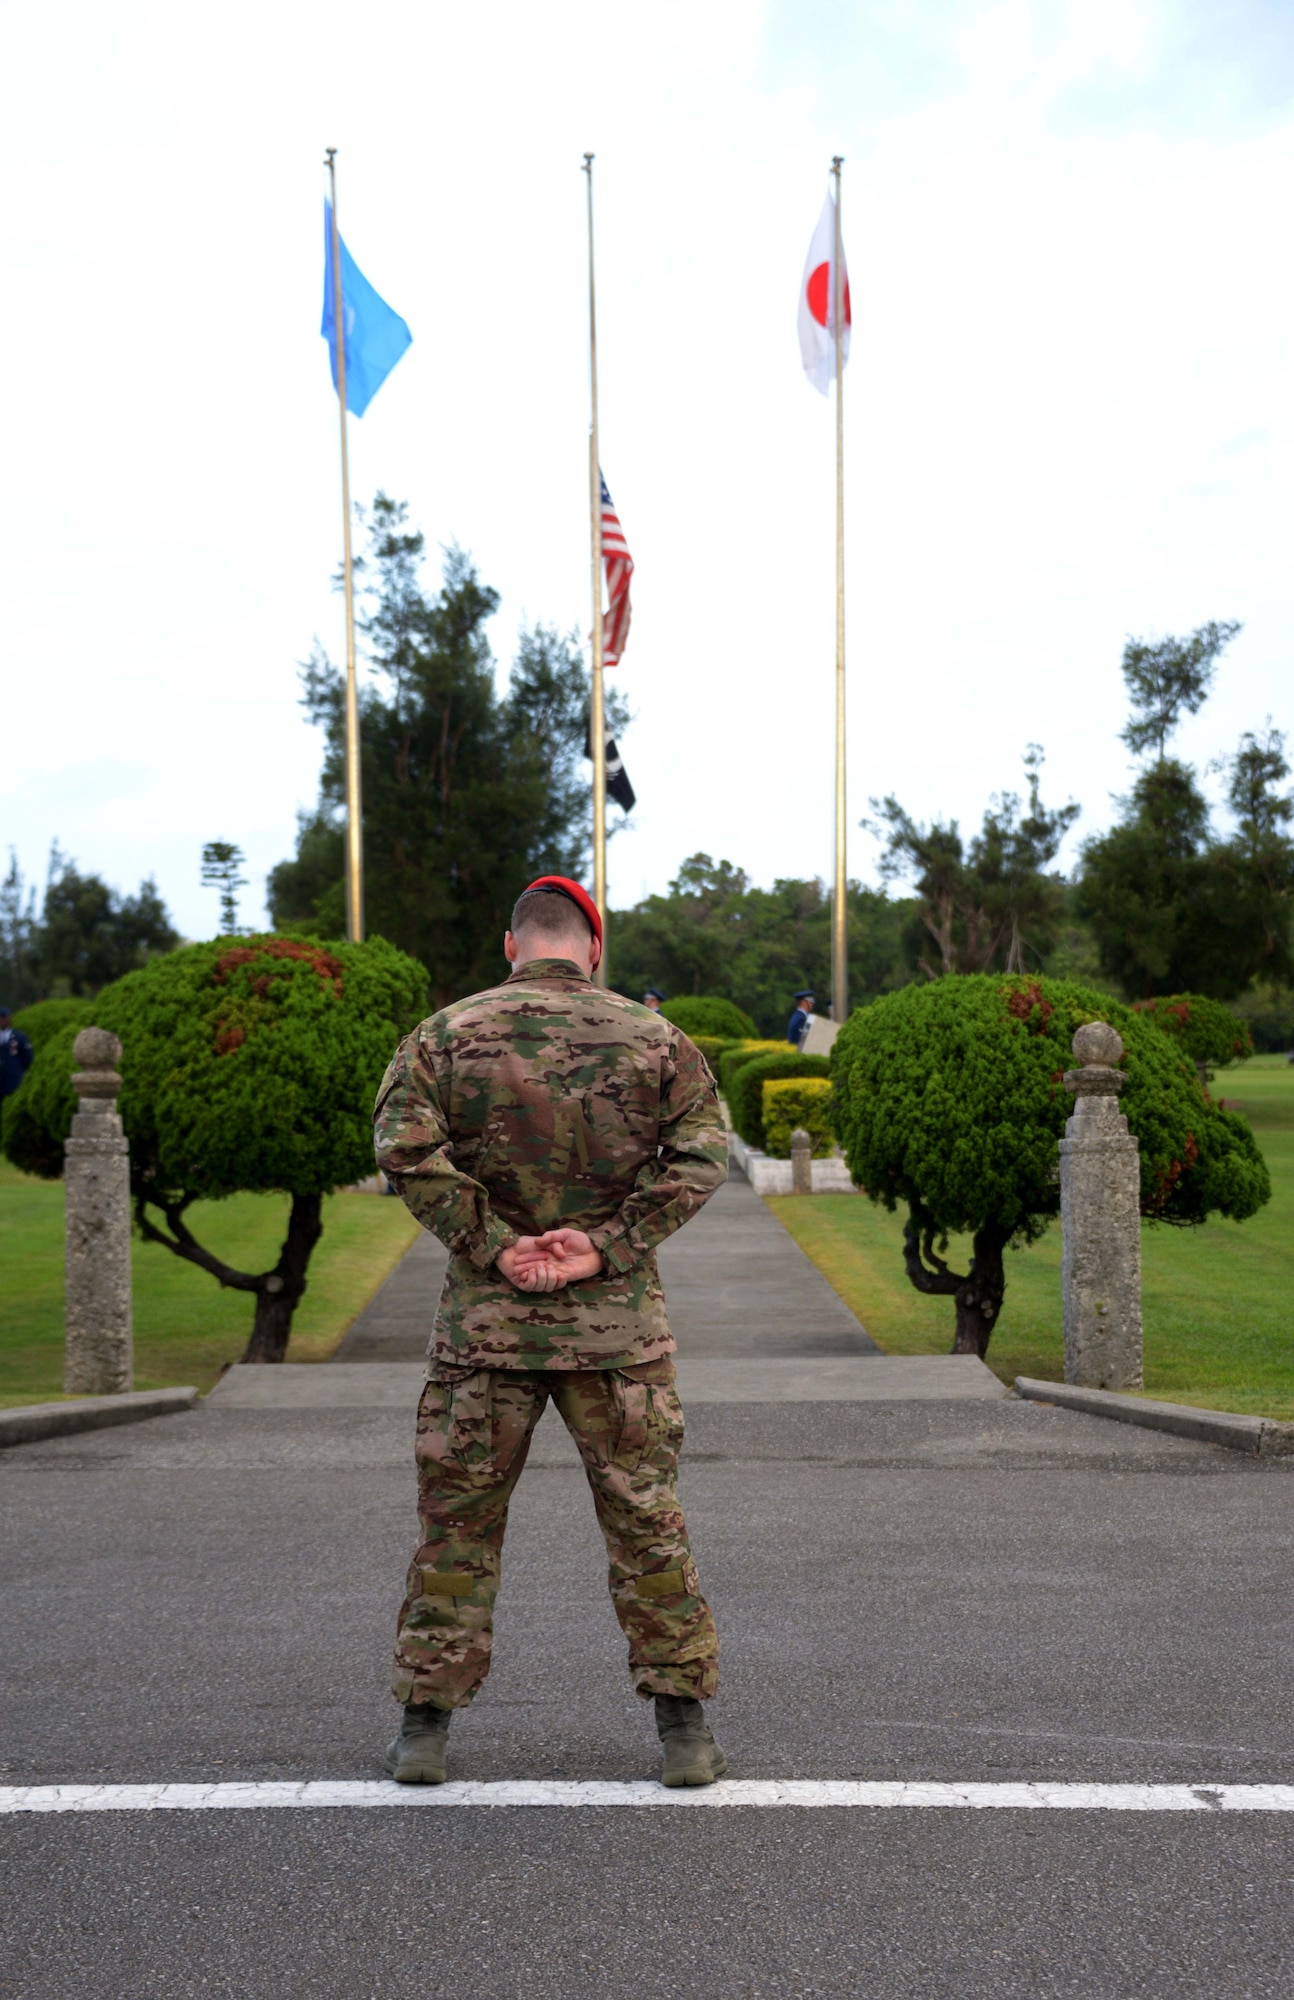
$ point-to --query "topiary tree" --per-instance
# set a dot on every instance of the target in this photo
(45, 1018)
(246, 1067)
(38, 1117)
(950, 1098)
(709, 1014)
(1210, 1033)
(41, 1022)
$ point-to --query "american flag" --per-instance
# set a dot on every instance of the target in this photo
(620, 567)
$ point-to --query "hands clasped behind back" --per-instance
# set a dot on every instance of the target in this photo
(546, 1263)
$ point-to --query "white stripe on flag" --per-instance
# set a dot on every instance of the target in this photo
(322, 1793)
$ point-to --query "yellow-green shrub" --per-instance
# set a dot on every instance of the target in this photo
(797, 1100)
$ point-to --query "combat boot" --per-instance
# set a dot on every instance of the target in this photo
(692, 1757)
(417, 1756)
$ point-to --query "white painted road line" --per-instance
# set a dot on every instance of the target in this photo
(326, 1793)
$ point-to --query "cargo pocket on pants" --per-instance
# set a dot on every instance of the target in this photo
(457, 1411)
(649, 1414)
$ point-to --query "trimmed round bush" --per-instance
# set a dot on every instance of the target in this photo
(746, 1102)
(709, 1014)
(247, 1064)
(1210, 1033)
(44, 1018)
(950, 1099)
(38, 1117)
(805, 1101)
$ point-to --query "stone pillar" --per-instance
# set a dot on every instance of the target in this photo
(97, 1358)
(1100, 1212)
(801, 1162)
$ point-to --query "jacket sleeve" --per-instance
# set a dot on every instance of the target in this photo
(411, 1143)
(691, 1163)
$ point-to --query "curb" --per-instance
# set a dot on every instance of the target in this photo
(769, 1176)
(1262, 1437)
(92, 1413)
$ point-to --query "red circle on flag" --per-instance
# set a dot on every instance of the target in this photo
(816, 295)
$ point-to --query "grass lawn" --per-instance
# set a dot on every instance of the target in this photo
(186, 1326)
(1218, 1302)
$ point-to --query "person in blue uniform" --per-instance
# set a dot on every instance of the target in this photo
(799, 1020)
(15, 1055)
(653, 998)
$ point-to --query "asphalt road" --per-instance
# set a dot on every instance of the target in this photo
(963, 1590)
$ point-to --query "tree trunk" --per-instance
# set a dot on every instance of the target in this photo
(279, 1292)
(978, 1297)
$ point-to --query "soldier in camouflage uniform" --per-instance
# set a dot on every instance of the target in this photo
(552, 1135)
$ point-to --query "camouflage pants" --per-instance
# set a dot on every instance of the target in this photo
(474, 1431)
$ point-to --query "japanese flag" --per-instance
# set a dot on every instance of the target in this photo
(818, 303)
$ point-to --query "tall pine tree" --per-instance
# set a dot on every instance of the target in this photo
(467, 793)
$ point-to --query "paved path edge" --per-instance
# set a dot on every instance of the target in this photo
(26, 1425)
(1263, 1437)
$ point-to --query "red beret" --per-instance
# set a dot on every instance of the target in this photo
(562, 885)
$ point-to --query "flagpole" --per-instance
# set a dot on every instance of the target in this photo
(597, 716)
(839, 950)
(354, 824)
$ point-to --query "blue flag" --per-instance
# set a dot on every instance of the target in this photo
(376, 337)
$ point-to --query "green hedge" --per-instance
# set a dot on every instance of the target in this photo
(746, 1099)
(708, 1014)
(739, 1054)
(797, 1100)
(1208, 1032)
(712, 1047)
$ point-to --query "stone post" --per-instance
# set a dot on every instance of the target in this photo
(801, 1162)
(97, 1356)
(1100, 1212)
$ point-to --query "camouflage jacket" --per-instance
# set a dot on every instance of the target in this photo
(546, 1103)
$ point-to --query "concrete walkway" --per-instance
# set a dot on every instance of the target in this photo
(387, 1385)
(395, 1323)
(735, 1281)
(755, 1321)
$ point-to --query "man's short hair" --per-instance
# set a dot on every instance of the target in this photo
(551, 914)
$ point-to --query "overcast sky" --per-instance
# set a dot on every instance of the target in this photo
(1069, 409)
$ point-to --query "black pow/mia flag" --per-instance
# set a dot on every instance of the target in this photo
(618, 785)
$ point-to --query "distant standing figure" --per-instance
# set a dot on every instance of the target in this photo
(15, 1055)
(654, 999)
(799, 1020)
